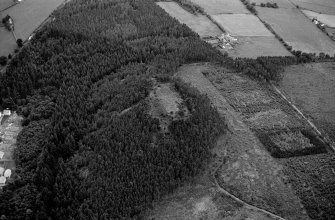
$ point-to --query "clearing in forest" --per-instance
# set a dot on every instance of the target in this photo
(242, 25)
(214, 7)
(321, 6)
(312, 87)
(198, 23)
(297, 30)
(166, 105)
(328, 20)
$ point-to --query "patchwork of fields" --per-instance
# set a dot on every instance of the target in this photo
(297, 31)
(199, 24)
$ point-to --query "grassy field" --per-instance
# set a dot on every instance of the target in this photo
(321, 6)
(199, 24)
(312, 88)
(297, 30)
(329, 20)
(242, 25)
(7, 42)
(254, 47)
(29, 14)
(213, 7)
(280, 3)
(5, 4)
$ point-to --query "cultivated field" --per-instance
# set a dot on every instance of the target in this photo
(199, 24)
(329, 20)
(213, 7)
(312, 87)
(242, 25)
(7, 42)
(254, 47)
(321, 6)
(280, 3)
(297, 30)
(29, 14)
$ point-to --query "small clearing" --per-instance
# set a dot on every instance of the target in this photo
(320, 6)
(328, 20)
(312, 87)
(242, 25)
(198, 23)
(166, 105)
(297, 30)
(214, 7)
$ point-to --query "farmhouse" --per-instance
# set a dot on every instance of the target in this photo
(8, 22)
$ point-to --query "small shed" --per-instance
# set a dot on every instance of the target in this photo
(7, 112)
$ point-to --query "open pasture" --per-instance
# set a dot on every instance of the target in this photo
(312, 87)
(214, 7)
(253, 47)
(297, 30)
(328, 20)
(242, 25)
(7, 42)
(321, 6)
(29, 14)
(5, 4)
(200, 23)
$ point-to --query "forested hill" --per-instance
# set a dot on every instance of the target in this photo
(77, 157)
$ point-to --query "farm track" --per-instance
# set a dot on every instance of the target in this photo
(225, 192)
(328, 142)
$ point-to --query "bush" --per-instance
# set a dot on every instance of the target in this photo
(19, 42)
(3, 60)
